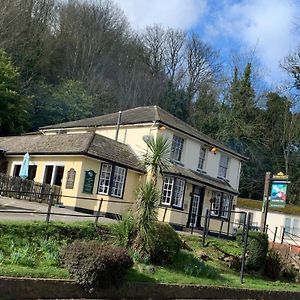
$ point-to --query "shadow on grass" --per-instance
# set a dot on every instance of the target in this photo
(135, 275)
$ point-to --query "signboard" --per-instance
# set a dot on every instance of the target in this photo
(70, 179)
(89, 181)
(278, 193)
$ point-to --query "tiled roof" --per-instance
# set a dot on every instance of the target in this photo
(202, 179)
(89, 144)
(144, 114)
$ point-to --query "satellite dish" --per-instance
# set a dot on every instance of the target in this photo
(146, 138)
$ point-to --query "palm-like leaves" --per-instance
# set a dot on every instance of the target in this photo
(156, 160)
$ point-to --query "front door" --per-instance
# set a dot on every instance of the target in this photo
(196, 206)
(194, 210)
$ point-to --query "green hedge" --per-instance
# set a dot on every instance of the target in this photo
(257, 249)
(53, 230)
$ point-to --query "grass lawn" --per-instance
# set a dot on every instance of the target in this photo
(24, 253)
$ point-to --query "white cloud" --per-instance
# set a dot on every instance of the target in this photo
(266, 25)
(182, 14)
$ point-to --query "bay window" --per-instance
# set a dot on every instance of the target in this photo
(112, 180)
(221, 205)
(173, 192)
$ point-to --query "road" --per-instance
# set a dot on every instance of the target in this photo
(22, 210)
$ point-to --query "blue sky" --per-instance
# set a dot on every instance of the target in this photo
(267, 27)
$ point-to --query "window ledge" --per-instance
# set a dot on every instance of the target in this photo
(201, 171)
(223, 178)
(177, 162)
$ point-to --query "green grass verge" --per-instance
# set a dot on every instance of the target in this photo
(36, 272)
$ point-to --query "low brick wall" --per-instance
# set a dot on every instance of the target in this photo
(25, 288)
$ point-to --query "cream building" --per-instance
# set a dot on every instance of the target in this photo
(105, 154)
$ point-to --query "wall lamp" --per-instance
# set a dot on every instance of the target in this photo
(162, 127)
(214, 150)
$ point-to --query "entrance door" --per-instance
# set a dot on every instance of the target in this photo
(197, 198)
(194, 210)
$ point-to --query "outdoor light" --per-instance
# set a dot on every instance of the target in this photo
(162, 127)
(213, 150)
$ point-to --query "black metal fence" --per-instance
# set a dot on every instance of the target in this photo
(19, 188)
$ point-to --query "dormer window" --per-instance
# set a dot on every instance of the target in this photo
(202, 156)
(177, 147)
(223, 166)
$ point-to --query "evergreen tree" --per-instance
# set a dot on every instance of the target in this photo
(13, 112)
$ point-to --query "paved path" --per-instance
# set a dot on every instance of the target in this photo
(23, 210)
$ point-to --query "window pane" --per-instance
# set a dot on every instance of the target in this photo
(167, 190)
(287, 224)
(223, 166)
(225, 205)
(104, 178)
(216, 204)
(201, 158)
(176, 149)
(296, 227)
(178, 192)
(118, 181)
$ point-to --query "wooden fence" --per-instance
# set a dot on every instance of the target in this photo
(19, 188)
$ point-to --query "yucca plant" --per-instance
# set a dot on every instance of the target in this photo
(145, 217)
(156, 161)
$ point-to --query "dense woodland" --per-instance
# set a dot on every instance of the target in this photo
(65, 60)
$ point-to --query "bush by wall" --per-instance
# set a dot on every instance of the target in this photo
(257, 249)
(166, 244)
(273, 265)
(95, 265)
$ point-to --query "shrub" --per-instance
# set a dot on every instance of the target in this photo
(166, 244)
(22, 256)
(257, 249)
(95, 265)
(124, 230)
(273, 265)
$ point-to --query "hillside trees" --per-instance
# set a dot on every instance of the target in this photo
(14, 107)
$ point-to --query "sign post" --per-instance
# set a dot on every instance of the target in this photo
(274, 194)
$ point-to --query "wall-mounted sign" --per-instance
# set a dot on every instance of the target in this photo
(278, 193)
(70, 179)
(89, 180)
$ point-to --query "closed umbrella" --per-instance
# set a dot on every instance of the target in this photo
(25, 166)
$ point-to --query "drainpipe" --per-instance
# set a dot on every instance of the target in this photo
(118, 125)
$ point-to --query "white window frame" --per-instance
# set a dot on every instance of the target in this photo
(216, 204)
(114, 177)
(168, 183)
(177, 148)
(117, 187)
(178, 192)
(173, 192)
(104, 179)
(223, 166)
(54, 173)
(221, 205)
(202, 157)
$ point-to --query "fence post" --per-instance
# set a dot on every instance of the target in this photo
(244, 226)
(282, 237)
(164, 216)
(50, 202)
(267, 228)
(205, 227)
(275, 234)
(221, 227)
(245, 249)
(192, 227)
(98, 212)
